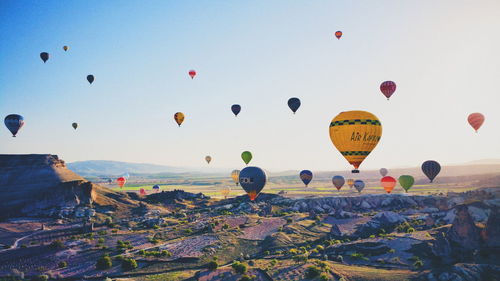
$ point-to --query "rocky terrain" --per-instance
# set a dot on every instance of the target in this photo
(62, 226)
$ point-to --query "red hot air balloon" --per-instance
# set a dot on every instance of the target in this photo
(388, 183)
(338, 34)
(121, 181)
(192, 73)
(388, 88)
(476, 120)
(142, 192)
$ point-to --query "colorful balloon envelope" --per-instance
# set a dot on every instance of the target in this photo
(246, 156)
(208, 159)
(359, 185)
(74, 125)
(306, 176)
(121, 181)
(383, 172)
(90, 78)
(338, 182)
(236, 108)
(476, 120)
(388, 183)
(431, 169)
(156, 188)
(225, 191)
(235, 175)
(388, 88)
(14, 122)
(406, 182)
(44, 56)
(350, 183)
(179, 118)
(126, 175)
(192, 74)
(142, 192)
(253, 180)
(294, 104)
(65, 48)
(355, 134)
(338, 34)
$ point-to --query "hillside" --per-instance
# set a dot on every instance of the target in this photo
(115, 168)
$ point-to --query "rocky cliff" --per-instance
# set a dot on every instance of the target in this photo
(41, 185)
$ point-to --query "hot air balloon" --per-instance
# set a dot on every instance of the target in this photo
(355, 134)
(44, 56)
(208, 159)
(306, 176)
(14, 122)
(142, 192)
(246, 156)
(74, 125)
(253, 180)
(236, 108)
(476, 120)
(156, 187)
(388, 88)
(350, 183)
(383, 172)
(388, 183)
(359, 185)
(192, 73)
(294, 104)
(110, 181)
(90, 78)
(406, 182)
(338, 34)
(65, 48)
(126, 175)
(235, 175)
(179, 118)
(431, 169)
(338, 182)
(225, 191)
(121, 181)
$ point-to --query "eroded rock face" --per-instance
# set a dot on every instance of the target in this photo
(463, 230)
(491, 234)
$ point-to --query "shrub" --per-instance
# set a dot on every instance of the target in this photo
(62, 264)
(100, 240)
(418, 264)
(239, 267)
(102, 232)
(289, 220)
(212, 265)
(188, 231)
(142, 252)
(156, 226)
(225, 226)
(108, 221)
(320, 248)
(251, 263)
(372, 236)
(274, 262)
(323, 277)
(56, 244)
(247, 277)
(104, 263)
(41, 278)
(129, 264)
(267, 253)
(359, 256)
(410, 230)
(392, 251)
(312, 272)
(340, 258)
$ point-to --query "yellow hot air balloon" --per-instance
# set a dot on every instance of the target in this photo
(225, 191)
(355, 134)
(179, 118)
(235, 175)
(350, 183)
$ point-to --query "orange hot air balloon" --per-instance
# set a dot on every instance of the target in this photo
(192, 73)
(476, 120)
(179, 118)
(121, 181)
(388, 183)
(338, 34)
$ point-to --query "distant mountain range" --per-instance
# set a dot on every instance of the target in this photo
(116, 168)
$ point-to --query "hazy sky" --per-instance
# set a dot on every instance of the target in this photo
(443, 55)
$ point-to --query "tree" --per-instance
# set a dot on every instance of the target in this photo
(62, 264)
(212, 265)
(129, 264)
(104, 263)
(239, 267)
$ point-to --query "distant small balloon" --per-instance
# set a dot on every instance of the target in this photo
(431, 169)
(192, 74)
(359, 185)
(338, 34)
(225, 191)
(350, 183)
(142, 192)
(236, 108)
(306, 176)
(208, 159)
(388, 183)
(406, 182)
(383, 172)
(44, 56)
(476, 120)
(179, 118)
(14, 122)
(388, 88)
(294, 104)
(156, 187)
(74, 125)
(65, 48)
(246, 156)
(338, 182)
(90, 78)
(121, 181)
(235, 175)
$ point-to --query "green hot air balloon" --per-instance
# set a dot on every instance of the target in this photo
(246, 156)
(406, 182)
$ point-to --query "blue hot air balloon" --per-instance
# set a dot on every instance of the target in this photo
(156, 187)
(431, 169)
(14, 122)
(306, 176)
(253, 180)
(359, 185)
(338, 181)
(236, 108)
(294, 104)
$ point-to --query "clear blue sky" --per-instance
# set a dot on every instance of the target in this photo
(443, 55)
